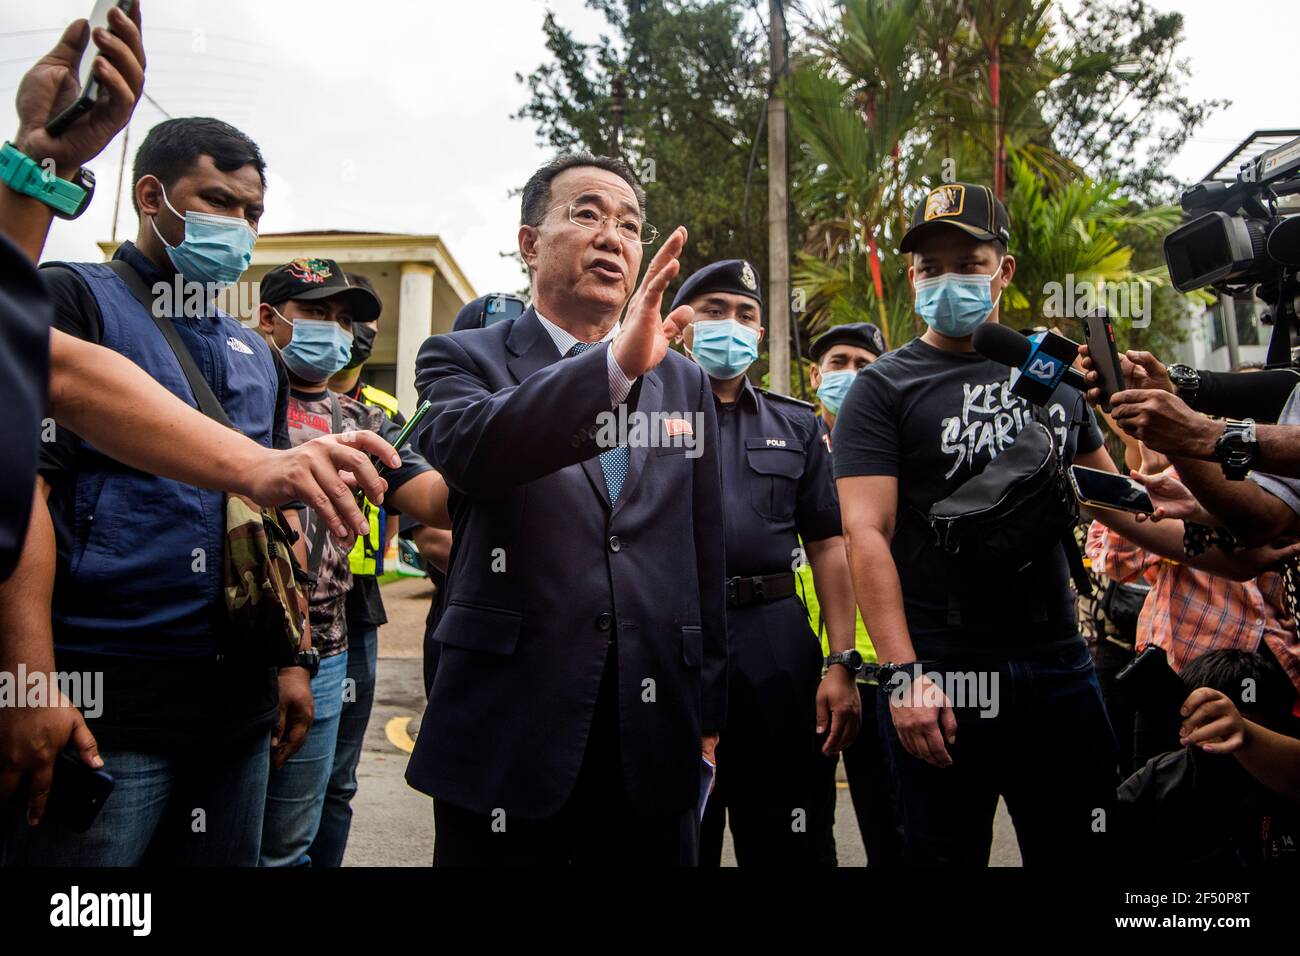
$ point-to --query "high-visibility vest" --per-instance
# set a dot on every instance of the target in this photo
(367, 554)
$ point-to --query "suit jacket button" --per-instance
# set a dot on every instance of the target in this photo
(615, 544)
(604, 620)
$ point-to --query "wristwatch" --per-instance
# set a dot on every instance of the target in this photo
(1186, 380)
(850, 659)
(22, 174)
(308, 659)
(1237, 448)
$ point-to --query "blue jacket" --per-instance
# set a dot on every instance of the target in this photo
(544, 575)
(144, 573)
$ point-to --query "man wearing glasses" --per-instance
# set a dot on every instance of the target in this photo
(581, 680)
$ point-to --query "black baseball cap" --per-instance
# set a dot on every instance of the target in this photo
(309, 279)
(969, 207)
(864, 335)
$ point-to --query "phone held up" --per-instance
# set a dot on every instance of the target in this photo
(88, 85)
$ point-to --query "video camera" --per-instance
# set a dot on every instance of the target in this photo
(1243, 237)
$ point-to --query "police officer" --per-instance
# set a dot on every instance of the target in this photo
(777, 490)
(837, 356)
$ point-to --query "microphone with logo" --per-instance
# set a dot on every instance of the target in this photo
(1039, 362)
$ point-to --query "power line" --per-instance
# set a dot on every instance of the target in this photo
(156, 105)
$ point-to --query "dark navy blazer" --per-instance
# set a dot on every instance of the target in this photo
(544, 576)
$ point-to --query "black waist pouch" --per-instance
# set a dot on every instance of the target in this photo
(1010, 515)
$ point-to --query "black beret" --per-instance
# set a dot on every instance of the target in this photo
(862, 334)
(729, 275)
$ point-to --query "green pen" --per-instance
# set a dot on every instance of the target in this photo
(402, 438)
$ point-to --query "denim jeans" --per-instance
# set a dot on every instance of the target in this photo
(336, 816)
(296, 792)
(202, 807)
(1048, 751)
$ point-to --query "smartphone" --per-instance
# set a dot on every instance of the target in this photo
(1099, 336)
(500, 307)
(88, 85)
(402, 438)
(1105, 489)
(77, 792)
(1149, 680)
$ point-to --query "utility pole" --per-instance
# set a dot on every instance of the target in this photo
(778, 230)
(121, 169)
(616, 113)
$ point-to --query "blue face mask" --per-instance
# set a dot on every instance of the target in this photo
(724, 347)
(216, 249)
(318, 349)
(954, 304)
(834, 386)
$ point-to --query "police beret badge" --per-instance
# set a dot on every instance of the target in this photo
(747, 276)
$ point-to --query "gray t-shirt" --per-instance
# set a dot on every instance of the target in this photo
(1287, 489)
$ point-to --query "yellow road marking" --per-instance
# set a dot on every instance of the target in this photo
(396, 730)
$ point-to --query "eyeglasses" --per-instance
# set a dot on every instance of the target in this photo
(633, 230)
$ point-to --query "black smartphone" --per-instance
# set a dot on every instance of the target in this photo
(88, 85)
(499, 308)
(1105, 489)
(1151, 683)
(402, 438)
(77, 792)
(1099, 335)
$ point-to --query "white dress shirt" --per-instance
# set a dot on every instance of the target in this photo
(619, 384)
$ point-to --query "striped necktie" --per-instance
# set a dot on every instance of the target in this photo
(614, 463)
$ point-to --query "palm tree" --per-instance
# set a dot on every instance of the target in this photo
(1072, 229)
(895, 95)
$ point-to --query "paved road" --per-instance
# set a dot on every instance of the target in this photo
(393, 824)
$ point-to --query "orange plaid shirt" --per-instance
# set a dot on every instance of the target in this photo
(1190, 612)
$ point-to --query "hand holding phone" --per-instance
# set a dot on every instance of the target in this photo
(1099, 336)
(81, 94)
(77, 792)
(402, 438)
(1106, 489)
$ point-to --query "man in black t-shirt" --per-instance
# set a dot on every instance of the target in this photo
(1001, 698)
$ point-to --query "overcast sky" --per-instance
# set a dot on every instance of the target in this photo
(394, 115)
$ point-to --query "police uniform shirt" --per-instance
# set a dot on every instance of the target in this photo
(777, 485)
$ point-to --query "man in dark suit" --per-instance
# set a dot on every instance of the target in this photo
(582, 670)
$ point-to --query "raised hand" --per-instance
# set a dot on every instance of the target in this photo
(52, 84)
(644, 338)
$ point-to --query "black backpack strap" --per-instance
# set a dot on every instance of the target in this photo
(207, 401)
(1074, 558)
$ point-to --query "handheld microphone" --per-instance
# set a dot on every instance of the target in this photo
(1040, 362)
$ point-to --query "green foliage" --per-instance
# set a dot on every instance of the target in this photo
(887, 98)
(1121, 112)
(693, 76)
(883, 112)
